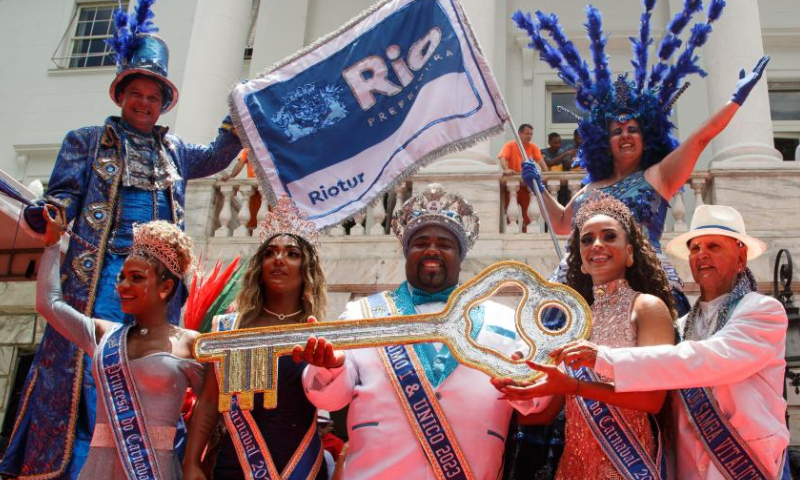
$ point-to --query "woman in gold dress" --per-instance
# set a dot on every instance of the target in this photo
(616, 270)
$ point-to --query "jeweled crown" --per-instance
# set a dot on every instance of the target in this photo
(435, 206)
(599, 203)
(148, 243)
(286, 219)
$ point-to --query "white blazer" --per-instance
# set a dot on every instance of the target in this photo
(743, 364)
(382, 443)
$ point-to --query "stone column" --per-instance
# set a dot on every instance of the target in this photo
(747, 170)
(213, 65)
(482, 17)
(527, 111)
(280, 31)
(735, 43)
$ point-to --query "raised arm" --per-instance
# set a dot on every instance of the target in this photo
(669, 175)
(73, 325)
(204, 160)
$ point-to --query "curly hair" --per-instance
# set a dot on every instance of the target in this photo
(646, 275)
(250, 299)
(164, 234)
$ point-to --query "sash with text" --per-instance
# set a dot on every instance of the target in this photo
(124, 409)
(616, 437)
(727, 450)
(418, 400)
(251, 448)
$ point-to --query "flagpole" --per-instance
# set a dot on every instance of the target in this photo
(537, 193)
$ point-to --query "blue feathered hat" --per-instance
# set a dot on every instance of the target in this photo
(137, 50)
(648, 97)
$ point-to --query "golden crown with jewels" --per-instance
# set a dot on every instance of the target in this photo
(286, 219)
(149, 242)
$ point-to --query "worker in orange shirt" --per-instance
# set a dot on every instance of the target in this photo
(511, 162)
(255, 199)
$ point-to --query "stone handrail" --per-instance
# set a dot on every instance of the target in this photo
(232, 219)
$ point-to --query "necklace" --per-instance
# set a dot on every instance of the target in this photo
(144, 331)
(281, 316)
(607, 298)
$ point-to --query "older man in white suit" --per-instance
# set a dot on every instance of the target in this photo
(728, 372)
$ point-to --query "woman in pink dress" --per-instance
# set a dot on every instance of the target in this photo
(142, 370)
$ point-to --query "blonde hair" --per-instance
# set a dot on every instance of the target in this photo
(250, 300)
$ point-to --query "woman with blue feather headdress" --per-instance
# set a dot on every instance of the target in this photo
(628, 148)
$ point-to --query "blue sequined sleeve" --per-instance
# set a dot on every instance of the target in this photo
(205, 160)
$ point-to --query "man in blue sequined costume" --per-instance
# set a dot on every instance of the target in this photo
(106, 178)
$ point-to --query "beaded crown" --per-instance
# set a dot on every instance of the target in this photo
(599, 203)
(648, 97)
(286, 219)
(148, 243)
(435, 206)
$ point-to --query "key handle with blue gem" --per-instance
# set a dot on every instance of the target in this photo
(248, 357)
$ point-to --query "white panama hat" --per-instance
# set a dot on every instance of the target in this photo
(716, 220)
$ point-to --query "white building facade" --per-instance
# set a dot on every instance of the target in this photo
(54, 80)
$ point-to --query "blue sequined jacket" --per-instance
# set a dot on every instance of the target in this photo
(86, 182)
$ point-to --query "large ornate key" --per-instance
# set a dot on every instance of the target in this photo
(248, 357)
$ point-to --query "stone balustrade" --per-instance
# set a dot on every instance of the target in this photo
(232, 220)
(363, 251)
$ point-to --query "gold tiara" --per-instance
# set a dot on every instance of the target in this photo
(286, 219)
(599, 203)
(148, 243)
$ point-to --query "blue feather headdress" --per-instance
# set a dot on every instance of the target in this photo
(648, 97)
(137, 50)
(129, 30)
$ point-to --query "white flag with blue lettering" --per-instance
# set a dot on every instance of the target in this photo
(341, 121)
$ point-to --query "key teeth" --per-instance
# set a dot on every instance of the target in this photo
(270, 399)
(245, 400)
(224, 404)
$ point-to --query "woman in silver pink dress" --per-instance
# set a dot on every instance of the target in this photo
(143, 369)
(609, 435)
